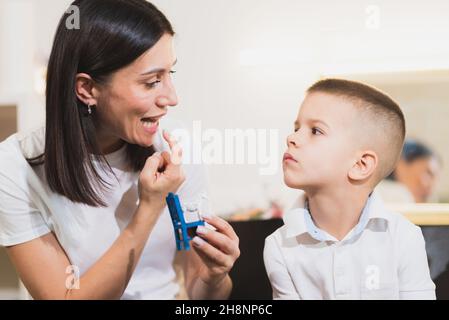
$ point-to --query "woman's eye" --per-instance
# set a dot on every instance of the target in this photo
(296, 129)
(316, 131)
(152, 84)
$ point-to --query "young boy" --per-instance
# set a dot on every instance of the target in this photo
(339, 241)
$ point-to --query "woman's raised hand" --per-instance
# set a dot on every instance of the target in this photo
(161, 174)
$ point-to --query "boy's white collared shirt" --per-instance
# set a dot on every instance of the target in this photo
(382, 257)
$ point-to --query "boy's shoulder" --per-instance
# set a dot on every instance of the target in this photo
(281, 238)
(397, 226)
(400, 227)
(277, 235)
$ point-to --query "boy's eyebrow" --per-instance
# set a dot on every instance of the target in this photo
(312, 121)
(157, 70)
(319, 121)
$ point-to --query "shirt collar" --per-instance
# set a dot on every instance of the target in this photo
(298, 219)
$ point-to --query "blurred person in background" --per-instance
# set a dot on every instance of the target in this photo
(415, 176)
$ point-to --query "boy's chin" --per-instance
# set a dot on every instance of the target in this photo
(294, 182)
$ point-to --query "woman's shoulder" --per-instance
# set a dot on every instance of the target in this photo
(32, 143)
(29, 142)
(18, 147)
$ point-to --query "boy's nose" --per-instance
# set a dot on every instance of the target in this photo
(291, 140)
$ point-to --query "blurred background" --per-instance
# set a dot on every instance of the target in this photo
(245, 64)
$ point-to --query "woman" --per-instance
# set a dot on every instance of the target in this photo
(417, 170)
(82, 203)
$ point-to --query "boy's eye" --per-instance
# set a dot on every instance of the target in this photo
(316, 131)
(296, 129)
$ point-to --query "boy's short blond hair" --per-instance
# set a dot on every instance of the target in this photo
(382, 112)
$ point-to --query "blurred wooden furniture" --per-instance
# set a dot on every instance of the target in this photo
(8, 121)
(424, 214)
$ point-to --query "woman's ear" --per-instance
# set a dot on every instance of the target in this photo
(85, 89)
(364, 167)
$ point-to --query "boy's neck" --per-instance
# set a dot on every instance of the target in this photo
(337, 211)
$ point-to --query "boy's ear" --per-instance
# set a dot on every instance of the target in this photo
(85, 89)
(364, 167)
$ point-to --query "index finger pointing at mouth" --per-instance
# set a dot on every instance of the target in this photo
(175, 148)
(168, 137)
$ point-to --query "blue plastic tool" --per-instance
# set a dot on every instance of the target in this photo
(184, 232)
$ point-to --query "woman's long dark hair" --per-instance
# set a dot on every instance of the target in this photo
(112, 34)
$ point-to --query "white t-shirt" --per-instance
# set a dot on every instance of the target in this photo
(28, 210)
(382, 257)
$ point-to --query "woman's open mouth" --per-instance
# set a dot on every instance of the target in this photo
(151, 124)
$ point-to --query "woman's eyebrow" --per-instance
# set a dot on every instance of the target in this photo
(157, 70)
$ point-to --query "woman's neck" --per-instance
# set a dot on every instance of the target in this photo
(108, 143)
(111, 147)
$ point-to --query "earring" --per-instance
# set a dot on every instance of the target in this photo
(89, 109)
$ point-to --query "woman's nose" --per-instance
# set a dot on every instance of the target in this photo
(168, 97)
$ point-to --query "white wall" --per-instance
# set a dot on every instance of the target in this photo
(291, 43)
(245, 64)
(26, 31)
